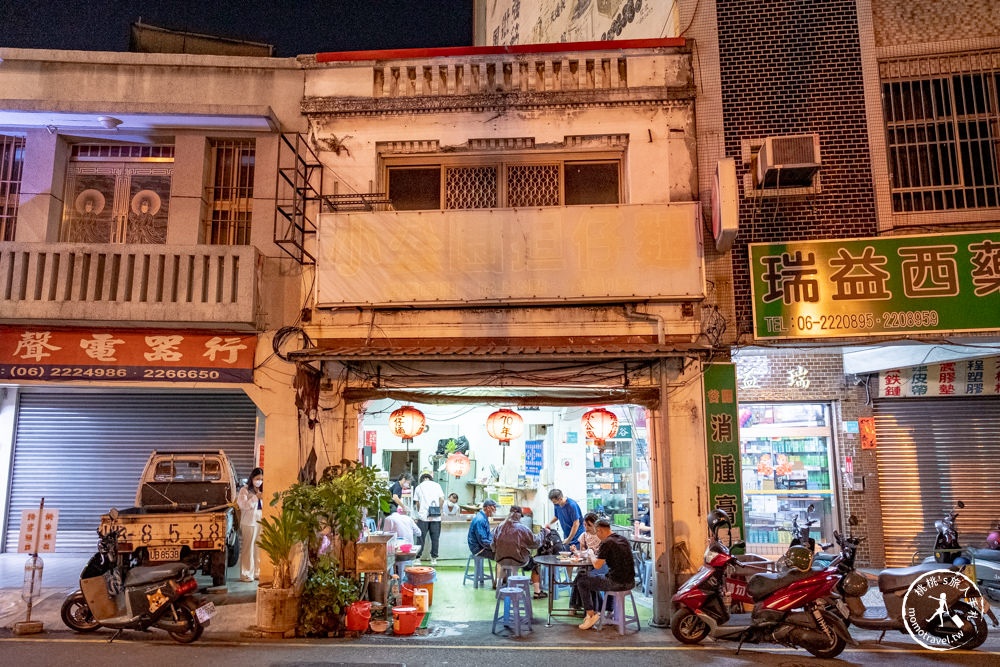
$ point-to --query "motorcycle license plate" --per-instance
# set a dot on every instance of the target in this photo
(205, 612)
(164, 553)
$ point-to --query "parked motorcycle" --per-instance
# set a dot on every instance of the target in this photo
(987, 562)
(800, 535)
(114, 595)
(894, 583)
(790, 606)
(947, 549)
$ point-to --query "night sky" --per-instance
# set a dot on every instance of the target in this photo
(293, 27)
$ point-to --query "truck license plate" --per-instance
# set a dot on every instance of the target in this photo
(205, 612)
(164, 553)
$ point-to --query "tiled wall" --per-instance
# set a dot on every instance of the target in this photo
(827, 383)
(921, 21)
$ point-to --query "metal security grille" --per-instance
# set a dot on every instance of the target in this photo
(533, 185)
(231, 194)
(11, 165)
(932, 453)
(122, 152)
(470, 187)
(84, 451)
(942, 126)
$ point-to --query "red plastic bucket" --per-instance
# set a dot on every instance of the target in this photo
(407, 595)
(405, 620)
(358, 615)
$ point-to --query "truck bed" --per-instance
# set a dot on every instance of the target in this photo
(164, 534)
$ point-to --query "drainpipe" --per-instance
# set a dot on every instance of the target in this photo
(632, 314)
(664, 593)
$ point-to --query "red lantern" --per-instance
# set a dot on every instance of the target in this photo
(504, 425)
(406, 423)
(457, 464)
(600, 425)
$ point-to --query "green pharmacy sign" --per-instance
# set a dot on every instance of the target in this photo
(725, 490)
(876, 286)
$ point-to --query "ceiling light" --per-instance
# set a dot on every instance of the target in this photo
(109, 122)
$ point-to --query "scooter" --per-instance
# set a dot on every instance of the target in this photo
(790, 606)
(986, 561)
(894, 583)
(114, 595)
(988, 565)
(800, 535)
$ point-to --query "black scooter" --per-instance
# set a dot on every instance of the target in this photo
(114, 595)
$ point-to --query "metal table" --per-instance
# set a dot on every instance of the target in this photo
(552, 562)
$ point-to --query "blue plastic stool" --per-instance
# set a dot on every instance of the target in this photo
(618, 615)
(504, 573)
(478, 575)
(523, 581)
(563, 580)
(514, 611)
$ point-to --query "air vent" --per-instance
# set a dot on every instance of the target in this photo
(788, 162)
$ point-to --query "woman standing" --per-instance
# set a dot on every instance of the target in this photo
(250, 503)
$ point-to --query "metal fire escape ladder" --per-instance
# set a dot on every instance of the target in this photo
(298, 196)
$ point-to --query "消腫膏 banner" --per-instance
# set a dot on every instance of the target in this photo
(876, 286)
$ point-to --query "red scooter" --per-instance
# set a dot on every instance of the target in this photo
(790, 606)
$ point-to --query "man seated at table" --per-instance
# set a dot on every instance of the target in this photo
(513, 542)
(401, 525)
(480, 538)
(616, 553)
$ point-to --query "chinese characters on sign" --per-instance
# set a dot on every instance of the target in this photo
(863, 287)
(725, 489)
(38, 531)
(533, 457)
(87, 354)
(969, 377)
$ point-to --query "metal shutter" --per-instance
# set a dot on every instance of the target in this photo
(932, 453)
(84, 451)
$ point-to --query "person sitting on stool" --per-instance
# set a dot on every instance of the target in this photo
(616, 553)
(513, 541)
(480, 538)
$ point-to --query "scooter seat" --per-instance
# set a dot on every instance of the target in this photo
(992, 555)
(762, 585)
(901, 577)
(146, 575)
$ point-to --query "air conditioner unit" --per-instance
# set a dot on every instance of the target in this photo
(788, 162)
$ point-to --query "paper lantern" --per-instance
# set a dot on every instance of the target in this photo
(504, 425)
(600, 425)
(406, 423)
(457, 464)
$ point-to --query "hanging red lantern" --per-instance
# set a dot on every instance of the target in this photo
(600, 425)
(457, 464)
(406, 423)
(504, 425)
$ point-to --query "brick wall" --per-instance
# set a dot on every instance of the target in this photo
(794, 67)
(848, 401)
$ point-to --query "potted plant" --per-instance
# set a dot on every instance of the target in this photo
(280, 539)
(325, 598)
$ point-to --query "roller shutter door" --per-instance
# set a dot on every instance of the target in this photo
(932, 453)
(84, 451)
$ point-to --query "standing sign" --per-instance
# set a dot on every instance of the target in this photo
(876, 286)
(38, 531)
(725, 488)
(533, 457)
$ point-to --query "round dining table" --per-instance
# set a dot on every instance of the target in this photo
(551, 563)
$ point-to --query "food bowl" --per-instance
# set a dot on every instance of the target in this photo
(379, 626)
(405, 548)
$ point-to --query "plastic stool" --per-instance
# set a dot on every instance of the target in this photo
(505, 572)
(618, 616)
(478, 574)
(563, 580)
(523, 582)
(514, 608)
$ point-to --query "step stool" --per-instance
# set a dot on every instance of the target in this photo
(618, 616)
(514, 614)
(478, 574)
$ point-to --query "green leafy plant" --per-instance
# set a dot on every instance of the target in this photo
(278, 536)
(325, 599)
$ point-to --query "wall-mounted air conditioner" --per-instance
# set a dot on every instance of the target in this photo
(788, 162)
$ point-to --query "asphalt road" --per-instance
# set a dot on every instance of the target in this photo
(147, 651)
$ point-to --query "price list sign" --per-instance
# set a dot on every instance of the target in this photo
(533, 457)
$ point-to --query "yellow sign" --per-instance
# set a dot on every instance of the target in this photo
(506, 499)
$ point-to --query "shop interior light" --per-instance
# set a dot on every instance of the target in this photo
(504, 425)
(600, 425)
(457, 464)
(406, 423)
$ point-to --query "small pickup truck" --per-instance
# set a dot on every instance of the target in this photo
(184, 512)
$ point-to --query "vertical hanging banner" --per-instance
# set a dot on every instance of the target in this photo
(725, 488)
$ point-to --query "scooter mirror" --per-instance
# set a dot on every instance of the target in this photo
(961, 505)
(853, 520)
(113, 514)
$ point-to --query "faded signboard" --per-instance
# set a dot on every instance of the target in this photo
(967, 377)
(543, 255)
(509, 22)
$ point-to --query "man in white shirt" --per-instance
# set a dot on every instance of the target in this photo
(428, 498)
(401, 525)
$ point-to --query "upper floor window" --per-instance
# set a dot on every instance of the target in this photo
(117, 193)
(11, 165)
(942, 133)
(508, 181)
(230, 196)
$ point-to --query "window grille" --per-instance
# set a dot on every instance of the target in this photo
(533, 185)
(942, 128)
(11, 165)
(122, 152)
(231, 193)
(470, 187)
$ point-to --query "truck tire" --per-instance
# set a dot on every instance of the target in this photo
(233, 550)
(218, 568)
